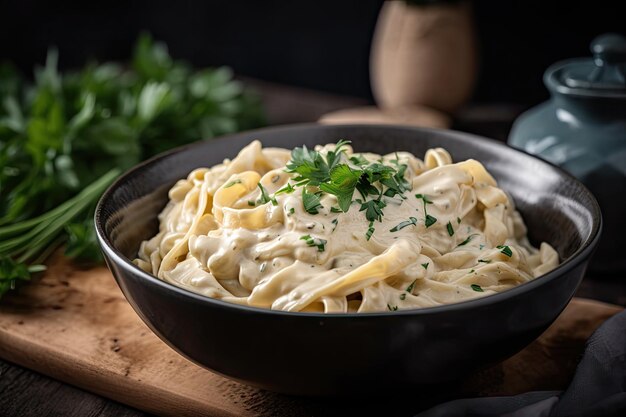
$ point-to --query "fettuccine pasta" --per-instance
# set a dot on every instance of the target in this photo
(328, 230)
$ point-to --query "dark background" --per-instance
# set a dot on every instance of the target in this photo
(321, 45)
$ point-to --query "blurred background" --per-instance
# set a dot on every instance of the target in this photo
(321, 45)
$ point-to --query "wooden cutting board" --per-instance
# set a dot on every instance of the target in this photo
(75, 325)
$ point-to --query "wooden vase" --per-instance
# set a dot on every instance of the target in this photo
(423, 55)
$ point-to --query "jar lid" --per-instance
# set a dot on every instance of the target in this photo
(602, 76)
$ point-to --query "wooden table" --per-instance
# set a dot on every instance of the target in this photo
(26, 393)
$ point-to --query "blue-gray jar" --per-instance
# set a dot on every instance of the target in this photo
(582, 128)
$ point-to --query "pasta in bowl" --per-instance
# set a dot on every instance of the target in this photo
(265, 327)
(334, 231)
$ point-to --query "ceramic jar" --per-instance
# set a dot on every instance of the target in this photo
(582, 128)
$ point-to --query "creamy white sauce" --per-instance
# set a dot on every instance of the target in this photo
(213, 242)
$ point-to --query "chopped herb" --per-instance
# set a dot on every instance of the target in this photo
(392, 308)
(458, 220)
(477, 288)
(402, 225)
(251, 203)
(335, 210)
(505, 250)
(403, 296)
(265, 197)
(292, 210)
(485, 261)
(311, 202)
(370, 231)
(331, 176)
(275, 178)
(425, 265)
(373, 209)
(467, 240)
(481, 246)
(471, 271)
(320, 244)
(430, 220)
(409, 289)
(343, 180)
(423, 198)
(233, 182)
(450, 229)
(334, 222)
(287, 189)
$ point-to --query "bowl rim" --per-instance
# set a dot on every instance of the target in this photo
(110, 251)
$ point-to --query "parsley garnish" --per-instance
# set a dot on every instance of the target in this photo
(373, 209)
(251, 203)
(392, 308)
(370, 231)
(402, 225)
(317, 242)
(458, 220)
(485, 261)
(409, 289)
(467, 240)
(334, 222)
(403, 296)
(265, 197)
(233, 182)
(292, 210)
(311, 202)
(425, 266)
(343, 180)
(477, 288)
(505, 250)
(450, 229)
(287, 189)
(332, 176)
(428, 220)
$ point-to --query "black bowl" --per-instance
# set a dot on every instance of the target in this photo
(334, 354)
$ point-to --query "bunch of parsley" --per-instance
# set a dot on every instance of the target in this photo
(65, 137)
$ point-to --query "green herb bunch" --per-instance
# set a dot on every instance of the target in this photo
(65, 137)
(340, 177)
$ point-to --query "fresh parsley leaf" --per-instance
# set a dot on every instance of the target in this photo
(392, 308)
(425, 265)
(343, 180)
(373, 209)
(485, 261)
(430, 220)
(477, 288)
(315, 242)
(403, 296)
(450, 229)
(358, 160)
(505, 250)
(409, 289)
(402, 225)
(311, 202)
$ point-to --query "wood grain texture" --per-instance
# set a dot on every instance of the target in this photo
(75, 325)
